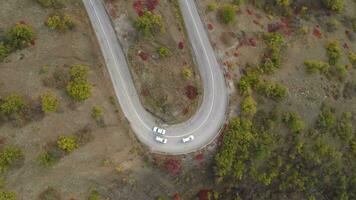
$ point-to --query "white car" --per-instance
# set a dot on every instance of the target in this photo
(161, 140)
(160, 131)
(188, 139)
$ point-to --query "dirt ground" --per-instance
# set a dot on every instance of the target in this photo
(239, 44)
(159, 81)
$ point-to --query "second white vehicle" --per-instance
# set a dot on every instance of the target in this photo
(158, 130)
(188, 139)
(161, 140)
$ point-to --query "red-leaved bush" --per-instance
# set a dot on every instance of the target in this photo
(173, 166)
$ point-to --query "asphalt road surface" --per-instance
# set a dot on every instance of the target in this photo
(209, 118)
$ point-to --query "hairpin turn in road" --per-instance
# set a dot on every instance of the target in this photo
(205, 124)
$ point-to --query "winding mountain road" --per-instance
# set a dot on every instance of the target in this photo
(209, 118)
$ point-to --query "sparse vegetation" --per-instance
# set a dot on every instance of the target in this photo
(97, 112)
(47, 159)
(60, 22)
(94, 195)
(52, 3)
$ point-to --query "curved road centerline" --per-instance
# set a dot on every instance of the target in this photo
(210, 116)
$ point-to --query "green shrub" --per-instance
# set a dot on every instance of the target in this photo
(164, 52)
(344, 127)
(273, 58)
(212, 6)
(149, 23)
(283, 3)
(60, 22)
(78, 72)
(248, 106)
(326, 120)
(79, 88)
(67, 143)
(7, 195)
(49, 102)
(47, 159)
(4, 51)
(187, 73)
(19, 36)
(247, 82)
(334, 5)
(333, 51)
(272, 90)
(8, 156)
(352, 58)
(79, 91)
(228, 13)
(11, 104)
(94, 195)
(294, 122)
(341, 70)
(97, 112)
(314, 66)
(238, 2)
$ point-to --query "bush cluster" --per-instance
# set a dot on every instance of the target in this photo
(4, 51)
(19, 36)
(314, 66)
(352, 58)
(60, 22)
(67, 143)
(334, 5)
(248, 106)
(79, 88)
(7, 195)
(228, 13)
(11, 104)
(333, 52)
(149, 23)
(8, 156)
(272, 90)
(49, 102)
(326, 120)
(164, 52)
(273, 59)
(212, 7)
(294, 121)
(248, 82)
